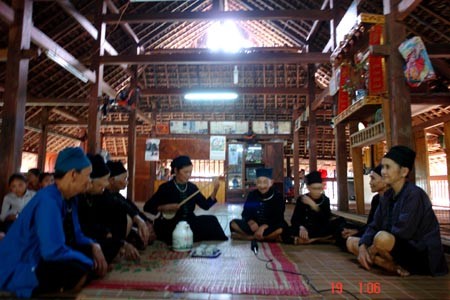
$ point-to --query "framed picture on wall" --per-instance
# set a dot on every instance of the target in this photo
(271, 127)
(229, 127)
(189, 127)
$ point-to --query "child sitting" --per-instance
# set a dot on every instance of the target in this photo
(14, 202)
(310, 220)
(263, 214)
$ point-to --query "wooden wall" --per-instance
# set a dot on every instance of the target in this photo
(168, 149)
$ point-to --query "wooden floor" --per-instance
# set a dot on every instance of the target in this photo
(325, 266)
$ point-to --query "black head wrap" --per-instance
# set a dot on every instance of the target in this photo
(180, 162)
(265, 172)
(116, 168)
(313, 177)
(402, 155)
(99, 167)
(377, 169)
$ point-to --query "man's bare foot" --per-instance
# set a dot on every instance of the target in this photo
(401, 271)
(239, 236)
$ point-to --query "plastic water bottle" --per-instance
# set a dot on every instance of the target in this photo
(182, 237)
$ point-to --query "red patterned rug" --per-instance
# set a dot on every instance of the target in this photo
(235, 271)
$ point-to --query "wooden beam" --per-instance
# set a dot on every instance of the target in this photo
(421, 163)
(94, 114)
(125, 26)
(217, 58)
(442, 67)
(3, 54)
(68, 7)
(35, 128)
(447, 151)
(6, 13)
(141, 115)
(13, 112)
(192, 16)
(380, 50)
(131, 151)
(83, 123)
(42, 40)
(314, 28)
(239, 90)
(312, 127)
(321, 98)
(438, 50)
(399, 96)
(43, 139)
(430, 99)
(405, 7)
(66, 114)
(341, 166)
(432, 123)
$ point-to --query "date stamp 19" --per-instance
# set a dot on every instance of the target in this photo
(365, 287)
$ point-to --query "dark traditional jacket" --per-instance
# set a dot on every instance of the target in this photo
(265, 208)
(168, 193)
(316, 222)
(412, 219)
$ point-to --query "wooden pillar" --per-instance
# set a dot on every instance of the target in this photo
(295, 157)
(312, 128)
(132, 136)
(153, 165)
(333, 24)
(399, 97)
(43, 139)
(358, 171)
(358, 178)
(14, 98)
(341, 167)
(447, 152)
(422, 169)
(288, 167)
(94, 115)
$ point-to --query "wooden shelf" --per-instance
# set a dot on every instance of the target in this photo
(360, 110)
(363, 18)
(369, 135)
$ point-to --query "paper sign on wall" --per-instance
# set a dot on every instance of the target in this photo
(152, 150)
(217, 147)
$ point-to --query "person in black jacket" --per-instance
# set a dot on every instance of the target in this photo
(263, 214)
(165, 203)
(349, 230)
(404, 236)
(310, 221)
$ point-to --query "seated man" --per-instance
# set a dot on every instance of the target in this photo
(140, 231)
(263, 214)
(378, 186)
(45, 250)
(102, 219)
(404, 237)
(310, 221)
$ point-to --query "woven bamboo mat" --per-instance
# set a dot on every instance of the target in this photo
(235, 271)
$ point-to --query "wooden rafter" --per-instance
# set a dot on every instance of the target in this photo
(405, 7)
(45, 42)
(216, 58)
(285, 15)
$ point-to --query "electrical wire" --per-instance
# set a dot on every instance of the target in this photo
(306, 278)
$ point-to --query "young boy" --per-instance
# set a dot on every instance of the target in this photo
(263, 214)
(311, 218)
(14, 202)
(46, 179)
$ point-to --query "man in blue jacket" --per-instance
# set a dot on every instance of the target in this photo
(45, 250)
